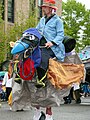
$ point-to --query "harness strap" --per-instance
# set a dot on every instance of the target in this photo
(40, 82)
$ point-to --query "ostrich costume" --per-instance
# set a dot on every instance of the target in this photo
(27, 93)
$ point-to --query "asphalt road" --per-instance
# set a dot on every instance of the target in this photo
(64, 112)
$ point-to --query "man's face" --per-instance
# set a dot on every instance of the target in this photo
(46, 10)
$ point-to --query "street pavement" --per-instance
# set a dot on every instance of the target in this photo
(71, 111)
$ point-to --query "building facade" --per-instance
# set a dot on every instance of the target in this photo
(16, 11)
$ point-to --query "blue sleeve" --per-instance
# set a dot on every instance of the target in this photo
(60, 32)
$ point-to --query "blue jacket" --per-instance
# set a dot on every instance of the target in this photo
(53, 31)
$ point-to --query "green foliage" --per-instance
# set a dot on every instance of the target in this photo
(2, 36)
(13, 33)
(76, 22)
(86, 35)
(1, 10)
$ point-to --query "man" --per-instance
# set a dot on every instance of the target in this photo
(51, 29)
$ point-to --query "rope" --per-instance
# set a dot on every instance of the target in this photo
(40, 82)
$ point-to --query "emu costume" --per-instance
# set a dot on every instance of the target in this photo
(43, 92)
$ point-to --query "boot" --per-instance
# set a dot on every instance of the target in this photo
(43, 116)
(39, 115)
(67, 100)
(77, 96)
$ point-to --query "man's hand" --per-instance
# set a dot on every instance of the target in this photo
(48, 44)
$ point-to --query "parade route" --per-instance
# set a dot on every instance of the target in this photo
(64, 112)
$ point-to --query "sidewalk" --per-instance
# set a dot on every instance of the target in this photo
(71, 111)
(85, 100)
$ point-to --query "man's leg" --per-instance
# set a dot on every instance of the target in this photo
(49, 113)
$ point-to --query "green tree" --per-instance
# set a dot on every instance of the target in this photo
(2, 36)
(86, 29)
(75, 17)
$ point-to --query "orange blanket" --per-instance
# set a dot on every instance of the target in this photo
(63, 75)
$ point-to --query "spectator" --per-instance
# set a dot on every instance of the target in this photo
(7, 82)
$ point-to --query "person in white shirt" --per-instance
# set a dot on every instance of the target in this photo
(7, 82)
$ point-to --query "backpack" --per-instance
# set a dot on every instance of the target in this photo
(28, 66)
(26, 69)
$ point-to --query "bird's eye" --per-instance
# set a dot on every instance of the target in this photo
(31, 37)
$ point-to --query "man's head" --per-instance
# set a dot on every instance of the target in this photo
(48, 7)
(49, 3)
